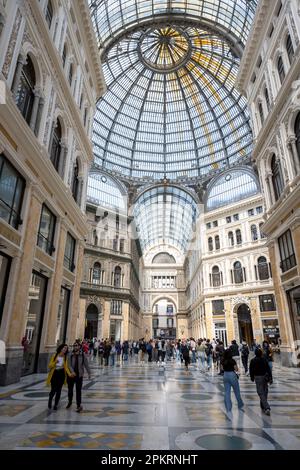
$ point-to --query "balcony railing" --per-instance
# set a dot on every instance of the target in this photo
(103, 287)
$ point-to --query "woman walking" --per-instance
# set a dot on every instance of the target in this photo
(185, 351)
(231, 379)
(57, 377)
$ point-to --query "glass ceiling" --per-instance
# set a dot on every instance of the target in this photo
(112, 17)
(165, 215)
(231, 187)
(171, 109)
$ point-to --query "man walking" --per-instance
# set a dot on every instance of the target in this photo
(78, 363)
(261, 374)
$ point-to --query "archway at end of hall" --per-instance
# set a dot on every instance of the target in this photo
(91, 322)
(164, 319)
(245, 324)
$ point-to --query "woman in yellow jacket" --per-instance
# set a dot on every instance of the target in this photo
(57, 376)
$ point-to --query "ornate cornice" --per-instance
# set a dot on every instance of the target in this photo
(253, 44)
(84, 14)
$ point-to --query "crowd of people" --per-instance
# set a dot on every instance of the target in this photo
(68, 368)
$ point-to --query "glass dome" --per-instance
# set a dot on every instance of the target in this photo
(112, 17)
(171, 109)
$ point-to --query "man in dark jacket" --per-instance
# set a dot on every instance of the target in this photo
(261, 374)
(78, 362)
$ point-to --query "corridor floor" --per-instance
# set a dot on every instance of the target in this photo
(139, 406)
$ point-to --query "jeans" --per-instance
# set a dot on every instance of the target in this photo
(78, 383)
(231, 380)
(193, 357)
(112, 359)
(209, 361)
(262, 391)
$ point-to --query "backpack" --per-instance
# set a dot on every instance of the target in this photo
(162, 344)
(245, 350)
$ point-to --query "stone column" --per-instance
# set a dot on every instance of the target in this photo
(256, 320)
(294, 154)
(210, 331)
(229, 321)
(106, 319)
(39, 116)
(34, 114)
(15, 86)
(282, 309)
(271, 189)
(11, 372)
(74, 307)
(62, 161)
(50, 343)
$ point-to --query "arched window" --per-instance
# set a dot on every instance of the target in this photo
(55, 151)
(49, 13)
(230, 239)
(238, 273)
(75, 182)
(297, 134)
(238, 236)
(267, 98)
(216, 277)
(117, 276)
(280, 68)
(71, 74)
(262, 235)
(64, 55)
(96, 278)
(217, 242)
(289, 48)
(254, 235)
(277, 179)
(263, 268)
(210, 244)
(25, 91)
(261, 112)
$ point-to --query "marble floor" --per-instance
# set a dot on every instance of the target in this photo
(136, 406)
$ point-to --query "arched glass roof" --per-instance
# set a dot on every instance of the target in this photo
(103, 191)
(165, 215)
(112, 17)
(231, 187)
(171, 109)
(164, 258)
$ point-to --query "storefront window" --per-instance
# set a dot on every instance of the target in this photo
(34, 323)
(271, 330)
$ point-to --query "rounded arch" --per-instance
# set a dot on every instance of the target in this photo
(231, 186)
(163, 258)
(169, 298)
(33, 54)
(105, 190)
(61, 118)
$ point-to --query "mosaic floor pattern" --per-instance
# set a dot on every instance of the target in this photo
(137, 406)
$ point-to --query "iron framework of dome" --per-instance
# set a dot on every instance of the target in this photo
(171, 109)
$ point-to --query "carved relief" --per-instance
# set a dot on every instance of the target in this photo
(12, 45)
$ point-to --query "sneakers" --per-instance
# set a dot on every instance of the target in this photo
(267, 412)
(79, 409)
(68, 405)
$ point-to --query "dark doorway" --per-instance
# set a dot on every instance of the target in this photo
(245, 324)
(91, 322)
(34, 323)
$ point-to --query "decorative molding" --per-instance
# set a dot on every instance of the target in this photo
(240, 299)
